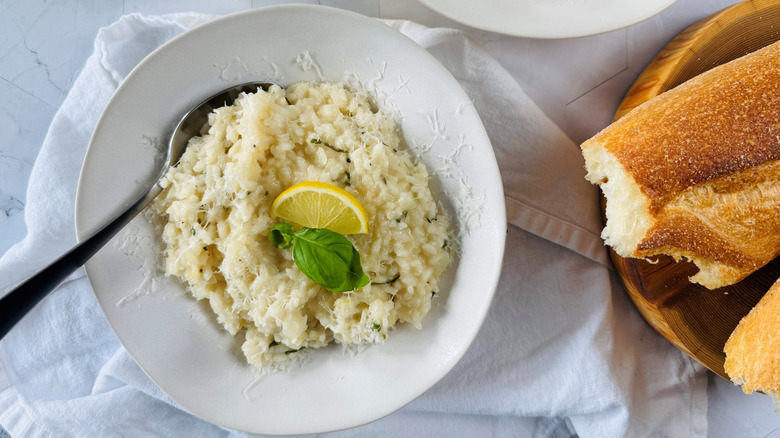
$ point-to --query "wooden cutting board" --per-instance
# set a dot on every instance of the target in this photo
(697, 320)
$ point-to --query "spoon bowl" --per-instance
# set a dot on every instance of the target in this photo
(19, 301)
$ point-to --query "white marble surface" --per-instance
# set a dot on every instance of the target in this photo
(578, 83)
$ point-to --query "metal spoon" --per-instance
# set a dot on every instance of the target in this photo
(16, 304)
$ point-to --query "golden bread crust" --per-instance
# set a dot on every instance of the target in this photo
(753, 349)
(722, 121)
(706, 155)
(733, 220)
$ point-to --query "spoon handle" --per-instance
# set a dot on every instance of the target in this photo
(15, 304)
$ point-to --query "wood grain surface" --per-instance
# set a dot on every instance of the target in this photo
(695, 319)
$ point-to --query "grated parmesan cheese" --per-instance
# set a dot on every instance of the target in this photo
(216, 209)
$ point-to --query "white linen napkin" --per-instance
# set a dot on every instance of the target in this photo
(562, 349)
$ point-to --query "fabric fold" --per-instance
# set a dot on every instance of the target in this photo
(559, 231)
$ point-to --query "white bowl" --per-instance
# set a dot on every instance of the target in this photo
(176, 339)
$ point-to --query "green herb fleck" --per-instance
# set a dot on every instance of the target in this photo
(320, 142)
(444, 246)
(349, 177)
(273, 344)
(294, 351)
(192, 231)
(376, 327)
(326, 257)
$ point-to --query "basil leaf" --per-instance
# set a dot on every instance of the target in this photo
(281, 235)
(329, 259)
(357, 276)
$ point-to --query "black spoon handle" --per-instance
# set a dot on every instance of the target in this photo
(17, 303)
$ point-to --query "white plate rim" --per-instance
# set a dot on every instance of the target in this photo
(543, 27)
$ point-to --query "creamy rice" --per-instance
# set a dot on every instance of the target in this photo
(216, 210)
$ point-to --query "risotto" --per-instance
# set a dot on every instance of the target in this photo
(216, 211)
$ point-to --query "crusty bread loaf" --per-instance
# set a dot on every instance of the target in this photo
(694, 173)
(753, 349)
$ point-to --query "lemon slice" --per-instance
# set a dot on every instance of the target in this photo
(321, 205)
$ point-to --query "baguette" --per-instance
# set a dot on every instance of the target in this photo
(694, 173)
(753, 349)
